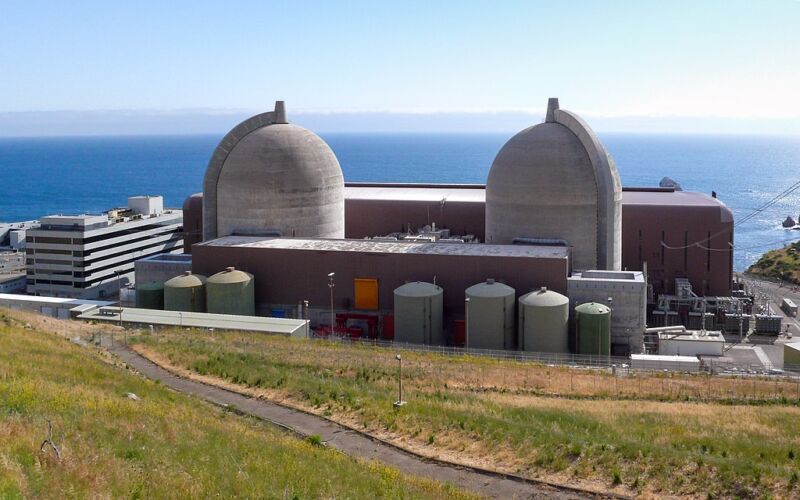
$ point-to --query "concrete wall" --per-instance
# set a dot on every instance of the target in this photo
(629, 306)
(367, 218)
(160, 270)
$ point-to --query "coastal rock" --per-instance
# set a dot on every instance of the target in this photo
(666, 182)
(789, 222)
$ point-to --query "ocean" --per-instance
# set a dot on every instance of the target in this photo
(40, 176)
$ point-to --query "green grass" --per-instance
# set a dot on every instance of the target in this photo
(165, 445)
(645, 445)
(783, 263)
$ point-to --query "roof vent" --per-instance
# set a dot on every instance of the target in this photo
(543, 289)
(230, 269)
(490, 281)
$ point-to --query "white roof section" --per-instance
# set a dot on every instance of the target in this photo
(416, 192)
(6, 298)
(665, 358)
(74, 220)
(390, 247)
(283, 326)
(692, 336)
(612, 276)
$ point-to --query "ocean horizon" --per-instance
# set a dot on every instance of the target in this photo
(90, 174)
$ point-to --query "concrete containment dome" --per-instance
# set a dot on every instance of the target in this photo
(489, 315)
(556, 181)
(269, 177)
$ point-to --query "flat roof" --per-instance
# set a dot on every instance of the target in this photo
(284, 326)
(476, 193)
(671, 198)
(389, 247)
(416, 192)
(665, 357)
(12, 297)
(622, 276)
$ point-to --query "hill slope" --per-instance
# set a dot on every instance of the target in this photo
(161, 445)
(783, 263)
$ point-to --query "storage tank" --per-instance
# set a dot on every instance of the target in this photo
(544, 321)
(150, 295)
(418, 313)
(186, 292)
(231, 292)
(490, 315)
(593, 324)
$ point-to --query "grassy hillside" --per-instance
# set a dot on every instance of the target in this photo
(783, 263)
(667, 434)
(164, 445)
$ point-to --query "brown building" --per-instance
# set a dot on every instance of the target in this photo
(679, 235)
(290, 270)
(696, 229)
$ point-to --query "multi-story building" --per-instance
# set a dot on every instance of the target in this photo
(92, 256)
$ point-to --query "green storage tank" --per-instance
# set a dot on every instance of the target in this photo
(231, 292)
(593, 324)
(150, 295)
(186, 293)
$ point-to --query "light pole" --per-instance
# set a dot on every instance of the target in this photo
(399, 402)
(331, 284)
(119, 297)
(466, 322)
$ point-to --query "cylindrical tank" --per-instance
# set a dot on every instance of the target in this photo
(593, 324)
(231, 292)
(490, 315)
(150, 295)
(544, 321)
(186, 292)
(418, 311)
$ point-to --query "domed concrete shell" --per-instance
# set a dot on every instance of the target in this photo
(271, 177)
(555, 180)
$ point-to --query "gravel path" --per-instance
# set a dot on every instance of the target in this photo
(348, 441)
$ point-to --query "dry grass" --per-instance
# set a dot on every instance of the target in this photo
(659, 435)
(163, 445)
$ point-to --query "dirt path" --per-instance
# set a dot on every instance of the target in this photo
(348, 441)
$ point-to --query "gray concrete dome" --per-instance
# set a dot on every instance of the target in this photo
(556, 181)
(268, 176)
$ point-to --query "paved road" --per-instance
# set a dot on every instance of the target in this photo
(346, 440)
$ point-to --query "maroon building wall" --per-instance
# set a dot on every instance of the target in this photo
(682, 217)
(697, 235)
(287, 276)
(367, 218)
(192, 221)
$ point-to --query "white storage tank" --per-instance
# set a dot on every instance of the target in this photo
(418, 313)
(544, 321)
(489, 315)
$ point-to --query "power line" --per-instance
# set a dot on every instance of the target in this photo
(783, 194)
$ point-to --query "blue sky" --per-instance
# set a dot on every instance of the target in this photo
(631, 65)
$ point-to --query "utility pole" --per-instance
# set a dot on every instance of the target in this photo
(119, 297)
